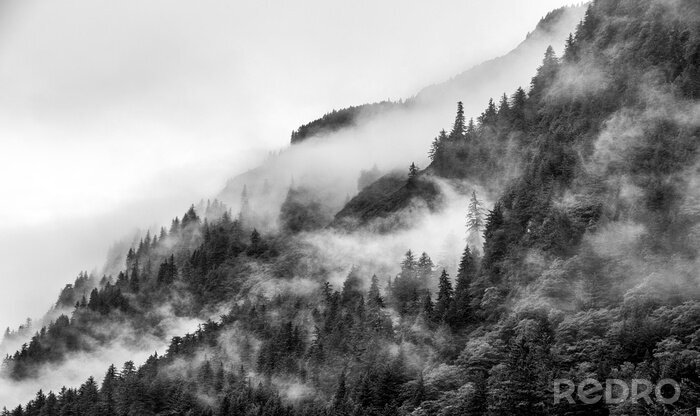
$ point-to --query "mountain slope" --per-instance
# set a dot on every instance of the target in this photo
(588, 267)
(392, 135)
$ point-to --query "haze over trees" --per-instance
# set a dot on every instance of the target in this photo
(584, 267)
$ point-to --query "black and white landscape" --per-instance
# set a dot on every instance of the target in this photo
(442, 209)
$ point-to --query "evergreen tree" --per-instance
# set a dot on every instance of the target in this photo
(408, 265)
(352, 287)
(88, 398)
(471, 129)
(175, 227)
(571, 52)
(412, 174)
(475, 221)
(107, 391)
(134, 283)
(434, 149)
(257, 245)
(503, 109)
(444, 298)
(518, 110)
(437, 150)
(461, 313)
(489, 116)
(459, 127)
(374, 297)
(167, 271)
(428, 307)
(340, 393)
(190, 217)
(546, 74)
(424, 269)
(245, 212)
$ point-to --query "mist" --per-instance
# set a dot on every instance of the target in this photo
(116, 116)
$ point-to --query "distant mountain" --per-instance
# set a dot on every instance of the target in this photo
(390, 134)
(497, 75)
(339, 119)
(475, 85)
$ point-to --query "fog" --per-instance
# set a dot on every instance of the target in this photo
(78, 366)
(115, 116)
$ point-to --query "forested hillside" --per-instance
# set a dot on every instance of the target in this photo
(585, 266)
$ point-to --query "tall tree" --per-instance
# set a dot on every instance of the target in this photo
(134, 283)
(504, 108)
(546, 74)
(412, 174)
(471, 129)
(444, 298)
(245, 212)
(490, 115)
(190, 217)
(461, 313)
(107, 391)
(459, 127)
(374, 297)
(425, 269)
(340, 393)
(518, 110)
(352, 287)
(475, 221)
(428, 307)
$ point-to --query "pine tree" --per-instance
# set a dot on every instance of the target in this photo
(351, 287)
(495, 247)
(257, 246)
(340, 392)
(428, 307)
(424, 268)
(518, 110)
(190, 217)
(546, 74)
(503, 109)
(475, 221)
(461, 313)
(494, 220)
(434, 149)
(130, 257)
(412, 174)
(175, 227)
(374, 297)
(471, 129)
(445, 297)
(409, 264)
(88, 397)
(134, 283)
(107, 391)
(147, 242)
(570, 50)
(459, 127)
(489, 116)
(244, 214)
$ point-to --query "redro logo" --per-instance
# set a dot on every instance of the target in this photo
(615, 391)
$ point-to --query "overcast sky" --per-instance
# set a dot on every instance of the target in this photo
(117, 114)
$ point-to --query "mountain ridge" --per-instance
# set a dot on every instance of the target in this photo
(587, 268)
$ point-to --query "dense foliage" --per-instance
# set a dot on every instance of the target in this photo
(340, 119)
(588, 267)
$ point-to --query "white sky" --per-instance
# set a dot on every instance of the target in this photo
(118, 114)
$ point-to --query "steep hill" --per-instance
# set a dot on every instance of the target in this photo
(478, 83)
(391, 134)
(588, 269)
